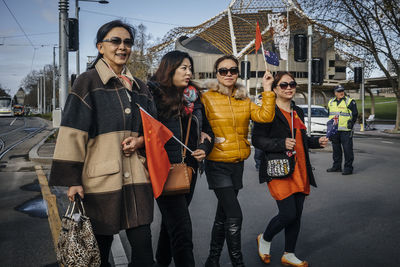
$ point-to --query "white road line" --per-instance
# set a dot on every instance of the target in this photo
(387, 142)
(118, 252)
(13, 122)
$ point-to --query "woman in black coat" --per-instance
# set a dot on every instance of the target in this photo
(288, 192)
(176, 97)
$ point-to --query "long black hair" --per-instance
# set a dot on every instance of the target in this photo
(105, 29)
(169, 99)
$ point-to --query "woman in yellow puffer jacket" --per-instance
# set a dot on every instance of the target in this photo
(229, 110)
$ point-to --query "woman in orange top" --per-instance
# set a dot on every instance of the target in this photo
(289, 192)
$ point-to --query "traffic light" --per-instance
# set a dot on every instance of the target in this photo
(245, 66)
(358, 75)
(73, 78)
(317, 71)
(73, 37)
(300, 47)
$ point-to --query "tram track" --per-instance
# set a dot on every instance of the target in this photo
(12, 138)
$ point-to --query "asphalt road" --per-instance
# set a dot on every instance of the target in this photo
(347, 221)
(25, 238)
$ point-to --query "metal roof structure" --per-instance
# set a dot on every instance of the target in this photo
(233, 30)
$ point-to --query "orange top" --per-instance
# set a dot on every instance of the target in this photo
(298, 181)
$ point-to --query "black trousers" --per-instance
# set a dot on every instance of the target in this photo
(140, 241)
(343, 139)
(175, 240)
(288, 218)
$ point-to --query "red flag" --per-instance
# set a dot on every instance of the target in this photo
(155, 137)
(297, 123)
(258, 37)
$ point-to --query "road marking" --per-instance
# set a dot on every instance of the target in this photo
(11, 123)
(387, 142)
(51, 200)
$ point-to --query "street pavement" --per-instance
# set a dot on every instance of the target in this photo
(347, 221)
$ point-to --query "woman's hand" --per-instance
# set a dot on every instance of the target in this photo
(130, 144)
(199, 154)
(323, 141)
(267, 81)
(204, 136)
(290, 143)
(73, 190)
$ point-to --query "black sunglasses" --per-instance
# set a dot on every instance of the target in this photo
(117, 41)
(285, 85)
(224, 71)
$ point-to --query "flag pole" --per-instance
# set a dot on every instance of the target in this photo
(179, 141)
(265, 60)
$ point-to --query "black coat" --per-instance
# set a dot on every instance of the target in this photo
(178, 125)
(270, 137)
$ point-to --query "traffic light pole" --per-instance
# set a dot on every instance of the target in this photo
(309, 78)
(77, 51)
(363, 95)
(63, 54)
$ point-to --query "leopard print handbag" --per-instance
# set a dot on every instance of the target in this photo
(77, 245)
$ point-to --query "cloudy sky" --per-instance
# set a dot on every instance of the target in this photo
(38, 19)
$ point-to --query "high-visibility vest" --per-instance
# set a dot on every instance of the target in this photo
(342, 111)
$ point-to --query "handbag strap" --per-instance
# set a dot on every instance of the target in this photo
(187, 136)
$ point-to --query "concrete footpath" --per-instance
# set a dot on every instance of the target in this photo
(42, 154)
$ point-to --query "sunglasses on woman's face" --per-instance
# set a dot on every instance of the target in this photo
(224, 71)
(117, 41)
(285, 85)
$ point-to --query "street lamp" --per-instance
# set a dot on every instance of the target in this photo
(77, 18)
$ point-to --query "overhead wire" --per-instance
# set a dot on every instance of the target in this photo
(22, 29)
(143, 20)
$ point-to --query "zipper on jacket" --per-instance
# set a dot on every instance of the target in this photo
(234, 126)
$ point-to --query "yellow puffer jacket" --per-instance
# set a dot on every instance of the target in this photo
(229, 118)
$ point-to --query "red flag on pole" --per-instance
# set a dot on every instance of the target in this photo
(297, 123)
(155, 137)
(258, 37)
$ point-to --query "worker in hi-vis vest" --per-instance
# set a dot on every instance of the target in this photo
(346, 109)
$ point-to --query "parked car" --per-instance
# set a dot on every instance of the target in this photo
(319, 118)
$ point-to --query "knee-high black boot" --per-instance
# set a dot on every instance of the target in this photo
(216, 244)
(233, 227)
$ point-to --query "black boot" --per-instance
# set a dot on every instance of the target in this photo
(233, 227)
(216, 244)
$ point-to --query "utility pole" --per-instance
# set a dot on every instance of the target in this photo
(309, 78)
(77, 51)
(38, 96)
(54, 78)
(44, 89)
(63, 52)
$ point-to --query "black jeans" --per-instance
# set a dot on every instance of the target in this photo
(140, 241)
(343, 139)
(175, 239)
(289, 217)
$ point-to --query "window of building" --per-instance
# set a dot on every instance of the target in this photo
(331, 63)
(331, 77)
(340, 69)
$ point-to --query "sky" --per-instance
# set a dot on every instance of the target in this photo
(29, 32)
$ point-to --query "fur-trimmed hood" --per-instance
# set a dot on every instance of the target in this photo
(240, 91)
